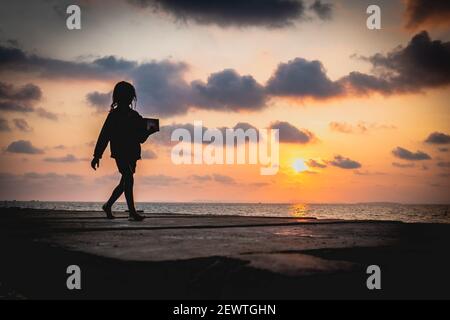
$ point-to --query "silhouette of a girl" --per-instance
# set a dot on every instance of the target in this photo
(123, 130)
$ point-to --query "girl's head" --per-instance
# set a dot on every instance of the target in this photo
(124, 94)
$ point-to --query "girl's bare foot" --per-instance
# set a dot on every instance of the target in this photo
(108, 211)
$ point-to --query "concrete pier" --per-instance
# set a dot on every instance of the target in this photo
(170, 256)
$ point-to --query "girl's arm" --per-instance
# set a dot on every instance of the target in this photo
(103, 138)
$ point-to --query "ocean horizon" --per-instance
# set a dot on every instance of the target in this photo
(383, 211)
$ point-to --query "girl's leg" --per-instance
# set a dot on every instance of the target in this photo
(117, 192)
(128, 182)
(114, 196)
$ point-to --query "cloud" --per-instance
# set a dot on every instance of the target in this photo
(363, 84)
(223, 179)
(65, 159)
(100, 101)
(360, 127)
(302, 78)
(369, 173)
(323, 10)
(22, 100)
(227, 90)
(443, 149)
(27, 92)
(163, 90)
(158, 180)
(265, 13)
(15, 59)
(315, 164)
(427, 12)
(443, 164)
(344, 163)
(31, 179)
(290, 134)
(23, 146)
(22, 125)
(405, 154)
(15, 107)
(149, 154)
(423, 63)
(41, 112)
(219, 178)
(201, 178)
(403, 165)
(36, 185)
(4, 125)
(438, 138)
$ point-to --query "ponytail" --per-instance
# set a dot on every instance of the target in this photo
(123, 92)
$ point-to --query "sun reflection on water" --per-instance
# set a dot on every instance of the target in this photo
(299, 210)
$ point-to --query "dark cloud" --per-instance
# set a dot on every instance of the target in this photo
(266, 13)
(22, 125)
(4, 125)
(244, 126)
(287, 132)
(163, 91)
(22, 99)
(149, 154)
(65, 159)
(15, 107)
(405, 154)
(23, 146)
(163, 137)
(290, 134)
(227, 90)
(223, 179)
(41, 112)
(14, 59)
(430, 12)
(344, 163)
(25, 93)
(443, 164)
(361, 83)
(302, 78)
(438, 138)
(115, 64)
(161, 88)
(323, 10)
(443, 149)
(403, 165)
(315, 164)
(423, 63)
(100, 101)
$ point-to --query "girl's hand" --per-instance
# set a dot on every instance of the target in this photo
(95, 163)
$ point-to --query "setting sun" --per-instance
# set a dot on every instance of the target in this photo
(299, 165)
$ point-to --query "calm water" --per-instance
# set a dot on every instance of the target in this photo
(365, 211)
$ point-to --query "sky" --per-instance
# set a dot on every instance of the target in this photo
(362, 114)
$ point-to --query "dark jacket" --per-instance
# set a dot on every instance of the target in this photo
(124, 129)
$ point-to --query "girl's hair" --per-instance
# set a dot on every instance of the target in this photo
(123, 93)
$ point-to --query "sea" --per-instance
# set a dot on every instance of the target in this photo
(410, 213)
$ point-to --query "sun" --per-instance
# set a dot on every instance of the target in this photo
(299, 165)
